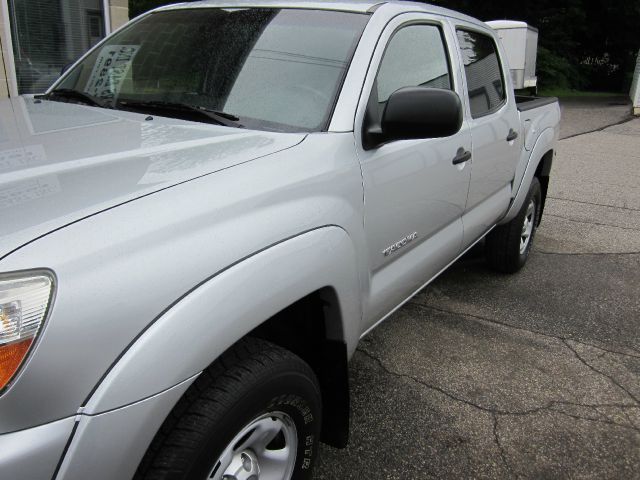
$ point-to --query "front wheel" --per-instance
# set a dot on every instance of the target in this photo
(507, 246)
(254, 414)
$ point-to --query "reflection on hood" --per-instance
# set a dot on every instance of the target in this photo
(61, 161)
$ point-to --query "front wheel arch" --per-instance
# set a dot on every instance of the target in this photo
(218, 420)
(311, 328)
(228, 307)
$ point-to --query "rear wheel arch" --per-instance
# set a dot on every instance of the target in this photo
(538, 166)
(543, 172)
(507, 246)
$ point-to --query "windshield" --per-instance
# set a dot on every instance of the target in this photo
(273, 69)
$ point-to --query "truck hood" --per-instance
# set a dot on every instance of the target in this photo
(60, 162)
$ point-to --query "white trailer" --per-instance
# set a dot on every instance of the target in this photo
(520, 43)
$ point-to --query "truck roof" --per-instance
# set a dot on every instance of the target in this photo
(361, 6)
(358, 6)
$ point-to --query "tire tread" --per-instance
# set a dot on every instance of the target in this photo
(213, 393)
(502, 245)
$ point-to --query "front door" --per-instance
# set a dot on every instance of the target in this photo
(414, 195)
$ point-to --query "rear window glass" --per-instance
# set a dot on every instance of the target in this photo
(483, 71)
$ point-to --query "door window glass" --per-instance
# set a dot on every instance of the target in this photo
(483, 71)
(415, 56)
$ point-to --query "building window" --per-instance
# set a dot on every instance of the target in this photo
(50, 34)
(95, 29)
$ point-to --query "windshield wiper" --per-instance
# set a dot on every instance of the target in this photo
(221, 118)
(72, 94)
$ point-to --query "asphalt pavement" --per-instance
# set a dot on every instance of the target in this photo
(581, 115)
(533, 375)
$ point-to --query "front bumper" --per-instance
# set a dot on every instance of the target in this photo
(34, 453)
(105, 446)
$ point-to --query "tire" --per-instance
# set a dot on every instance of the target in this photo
(504, 248)
(254, 390)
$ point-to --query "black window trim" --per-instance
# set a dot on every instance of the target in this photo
(502, 104)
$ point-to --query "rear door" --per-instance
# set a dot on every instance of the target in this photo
(495, 129)
(414, 195)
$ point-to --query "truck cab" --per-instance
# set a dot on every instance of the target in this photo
(211, 208)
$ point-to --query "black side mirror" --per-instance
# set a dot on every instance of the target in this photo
(416, 113)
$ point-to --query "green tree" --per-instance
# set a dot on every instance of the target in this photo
(583, 43)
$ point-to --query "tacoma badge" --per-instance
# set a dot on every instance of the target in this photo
(398, 245)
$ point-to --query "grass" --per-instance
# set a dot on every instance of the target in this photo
(566, 92)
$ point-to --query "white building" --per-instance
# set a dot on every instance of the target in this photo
(39, 37)
(635, 88)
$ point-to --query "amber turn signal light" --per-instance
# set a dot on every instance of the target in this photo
(11, 357)
(24, 303)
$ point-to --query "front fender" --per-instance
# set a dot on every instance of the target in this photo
(201, 325)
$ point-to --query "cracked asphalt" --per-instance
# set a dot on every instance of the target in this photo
(535, 375)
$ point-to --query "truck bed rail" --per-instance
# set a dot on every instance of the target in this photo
(525, 103)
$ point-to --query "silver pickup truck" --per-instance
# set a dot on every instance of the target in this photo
(204, 215)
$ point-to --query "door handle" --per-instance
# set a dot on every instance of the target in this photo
(512, 135)
(462, 156)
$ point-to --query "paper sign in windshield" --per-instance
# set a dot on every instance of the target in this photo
(109, 71)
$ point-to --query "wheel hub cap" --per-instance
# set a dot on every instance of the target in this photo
(265, 449)
(243, 466)
(527, 226)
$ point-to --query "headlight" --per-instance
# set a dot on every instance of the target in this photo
(24, 303)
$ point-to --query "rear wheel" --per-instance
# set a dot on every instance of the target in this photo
(507, 246)
(254, 414)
